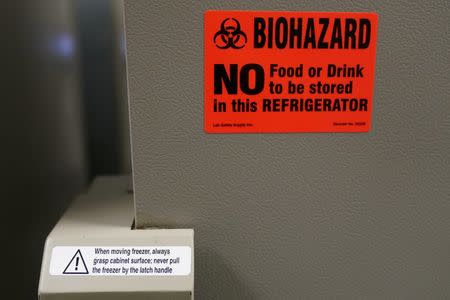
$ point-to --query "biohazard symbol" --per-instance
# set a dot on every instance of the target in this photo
(230, 35)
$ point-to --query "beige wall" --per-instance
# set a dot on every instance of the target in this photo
(299, 216)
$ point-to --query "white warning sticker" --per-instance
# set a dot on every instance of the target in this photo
(121, 261)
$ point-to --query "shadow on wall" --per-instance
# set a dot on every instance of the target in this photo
(102, 53)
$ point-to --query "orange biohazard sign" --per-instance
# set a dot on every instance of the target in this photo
(274, 71)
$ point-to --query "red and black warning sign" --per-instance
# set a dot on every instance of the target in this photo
(289, 71)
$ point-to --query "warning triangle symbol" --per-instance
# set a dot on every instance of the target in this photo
(76, 265)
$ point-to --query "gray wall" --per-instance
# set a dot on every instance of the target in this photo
(289, 216)
(43, 159)
(45, 155)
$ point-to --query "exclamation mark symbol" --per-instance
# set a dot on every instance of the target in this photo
(76, 263)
